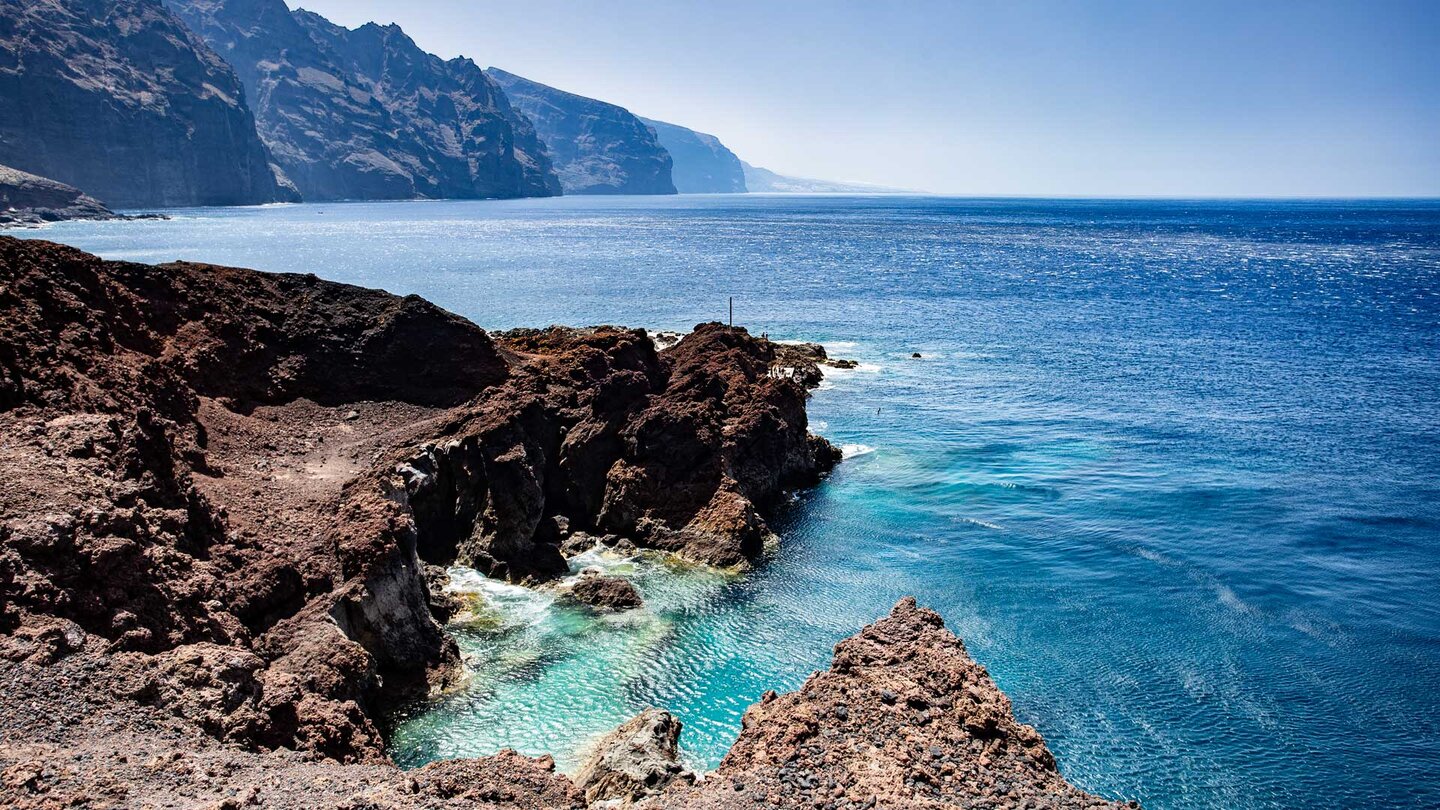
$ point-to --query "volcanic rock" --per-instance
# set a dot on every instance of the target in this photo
(121, 100)
(609, 593)
(636, 760)
(950, 740)
(27, 199)
(214, 580)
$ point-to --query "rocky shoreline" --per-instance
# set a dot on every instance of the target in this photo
(232, 490)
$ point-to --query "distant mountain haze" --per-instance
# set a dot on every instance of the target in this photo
(146, 103)
(702, 163)
(596, 147)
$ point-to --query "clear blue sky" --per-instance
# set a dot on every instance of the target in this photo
(1284, 98)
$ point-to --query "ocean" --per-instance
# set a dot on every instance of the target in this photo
(1170, 468)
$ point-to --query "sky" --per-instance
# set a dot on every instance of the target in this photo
(1019, 97)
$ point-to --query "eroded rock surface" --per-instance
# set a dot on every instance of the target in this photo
(28, 199)
(902, 719)
(640, 758)
(365, 113)
(229, 495)
(608, 593)
(703, 165)
(596, 148)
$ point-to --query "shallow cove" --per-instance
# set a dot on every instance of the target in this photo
(1169, 467)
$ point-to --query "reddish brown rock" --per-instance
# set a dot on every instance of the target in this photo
(902, 719)
(228, 493)
(609, 593)
(215, 495)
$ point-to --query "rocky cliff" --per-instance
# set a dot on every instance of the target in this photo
(118, 98)
(227, 492)
(223, 468)
(28, 199)
(367, 114)
(597, 148)
(703, 165)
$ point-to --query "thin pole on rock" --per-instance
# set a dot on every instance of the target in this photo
(732, 310)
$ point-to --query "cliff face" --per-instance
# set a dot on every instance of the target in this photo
(597, 148)
(366, 114)
(702, 163)
(27, 199)
(119, 99)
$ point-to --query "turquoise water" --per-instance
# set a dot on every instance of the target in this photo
(1171, 468)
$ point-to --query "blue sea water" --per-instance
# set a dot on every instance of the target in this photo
(1171, 468)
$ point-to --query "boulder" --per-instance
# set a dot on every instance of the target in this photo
(640, 758)
(606, 593)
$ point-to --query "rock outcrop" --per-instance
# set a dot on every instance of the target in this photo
(703, 165)
(683, 450)
(216, 470)
(606, 593)
(640, 758)
(367, 114)
(120, 99)
(28, 199)
(228, 492)
(597, 148)
(903, 718)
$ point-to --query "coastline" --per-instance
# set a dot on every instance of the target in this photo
(270, 493)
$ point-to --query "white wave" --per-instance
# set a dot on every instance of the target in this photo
(982, 524)
(515, 603)
(853, 450)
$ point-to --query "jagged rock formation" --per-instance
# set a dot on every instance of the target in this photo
(367, 114)
(702, 163)
(28, 199)
(120, 99)
(765, 181)
(640, 758)
(216, 547)
(597, 148)
(217, 470)
(903, 718)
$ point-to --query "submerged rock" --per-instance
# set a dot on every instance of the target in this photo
(610, 593)
(640, 758)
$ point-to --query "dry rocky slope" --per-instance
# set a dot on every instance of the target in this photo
(120, 100)
(228, 492)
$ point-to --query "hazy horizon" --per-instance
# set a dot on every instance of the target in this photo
(1108, 99)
